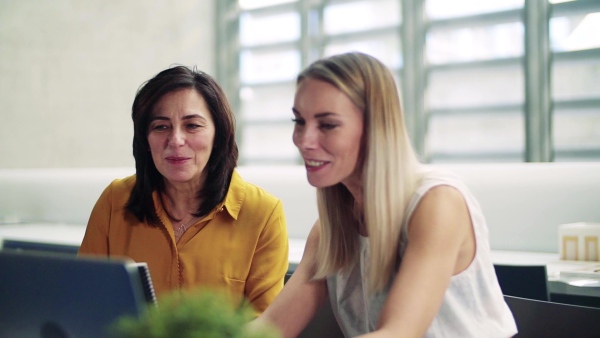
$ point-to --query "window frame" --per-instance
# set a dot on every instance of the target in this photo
(536, 62)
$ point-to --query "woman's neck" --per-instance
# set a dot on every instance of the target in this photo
(181, 201)
(356, 189)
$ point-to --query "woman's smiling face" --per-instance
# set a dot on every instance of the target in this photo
(181, 136)
(328, 133)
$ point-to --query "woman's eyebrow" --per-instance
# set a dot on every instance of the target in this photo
(324, 114)
(194, 116)
(187, 117)
(319, 115)
(162, 118)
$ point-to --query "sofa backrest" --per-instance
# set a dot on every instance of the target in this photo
(524, 203)
(53, 195)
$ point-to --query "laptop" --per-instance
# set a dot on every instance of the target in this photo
(536, 318)
(51, 295)
(16, 244)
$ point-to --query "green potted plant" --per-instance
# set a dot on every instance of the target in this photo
(199, 314)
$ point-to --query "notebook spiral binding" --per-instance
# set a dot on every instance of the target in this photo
(147, 285)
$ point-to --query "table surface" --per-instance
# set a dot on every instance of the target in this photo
(572, 277)
(53, 233)
(566, 277)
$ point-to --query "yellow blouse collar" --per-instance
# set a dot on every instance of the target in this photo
(232, 204)
(235, 195)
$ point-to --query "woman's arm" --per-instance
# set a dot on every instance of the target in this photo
(95, 240)
(301, 298)
(269, 261)
(441, 244)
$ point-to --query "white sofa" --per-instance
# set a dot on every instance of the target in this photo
(524, 203)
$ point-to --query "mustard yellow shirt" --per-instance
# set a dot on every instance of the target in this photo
(240, 247)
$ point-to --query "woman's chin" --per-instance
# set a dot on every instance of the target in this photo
(319, 182)
(179, 178)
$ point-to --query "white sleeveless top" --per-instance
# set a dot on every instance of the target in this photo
(473, 304)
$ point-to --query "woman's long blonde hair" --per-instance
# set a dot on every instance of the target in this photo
(389, 171)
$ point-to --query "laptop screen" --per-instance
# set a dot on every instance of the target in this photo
(63, 296)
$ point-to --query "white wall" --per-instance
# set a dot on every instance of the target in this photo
(69, 70)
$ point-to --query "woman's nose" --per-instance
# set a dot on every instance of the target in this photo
(176, 138)
(305, 138)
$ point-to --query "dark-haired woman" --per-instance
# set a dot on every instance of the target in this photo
(186, 212)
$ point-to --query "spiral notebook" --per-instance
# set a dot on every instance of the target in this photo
(57, 295)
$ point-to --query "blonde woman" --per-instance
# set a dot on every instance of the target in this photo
(398, 250)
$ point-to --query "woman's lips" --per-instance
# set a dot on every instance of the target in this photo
(177, 160)
(313, 165)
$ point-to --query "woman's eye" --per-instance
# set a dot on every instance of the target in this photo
(193, 126)
(159, 127)
(299, 122)
(327, 126)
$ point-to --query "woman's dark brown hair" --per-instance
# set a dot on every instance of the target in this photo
(224, 155)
